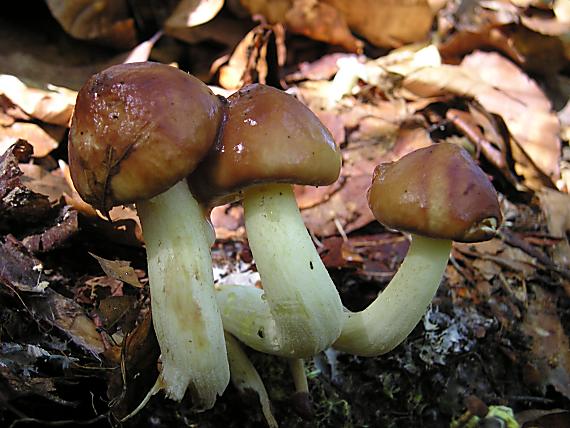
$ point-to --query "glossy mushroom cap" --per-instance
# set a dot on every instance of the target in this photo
(138, 129)
(269, 136)
(439, 192)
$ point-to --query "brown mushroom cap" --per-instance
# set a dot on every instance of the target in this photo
(138, 129)
(269, 137)
(437, 191)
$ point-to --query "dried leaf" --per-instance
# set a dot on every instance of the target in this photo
(54, 237)
(190, 13)
(70, 318)
(18, 204)
(106, 21)
(228, 222)
(43, 138)
(311, 18)
(10, 112)
(323, 22)
(497, 25)
(141, 52)
(561, 9)
(22, 273)
(502, 89)
(550, 352)
(118, 311)
(49, 183)
(139, 358)
(250, 61)
(380, 21)
(50, 104)
(19, 271)
(556, 209)
(119, 269)
(43, 60)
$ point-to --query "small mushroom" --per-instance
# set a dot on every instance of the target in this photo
(439, 195)
(138, 130)
(270, 141)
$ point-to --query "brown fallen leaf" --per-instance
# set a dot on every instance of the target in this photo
(323, 22)
(10, 112)
(380, 21)
(250, 62)
(556, 208)
(97, 288)
(54, 237)
(119, 269)
(18, 204)
(44, 138)
(189, 13)
(22, 275)
(228, 222)
(523, 106)
(549, 357)
(501, 88)
(118, 311)
(49, 183)
(375, 256)
(43, 57)
(256, 59)
(346, 209)
(47, 103)
(138, 358)
(500, 26)
(310, 18)
(70, 318)
(105, 21)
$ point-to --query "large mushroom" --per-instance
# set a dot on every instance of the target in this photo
(270, 141)
(137, 132)
(438, 194)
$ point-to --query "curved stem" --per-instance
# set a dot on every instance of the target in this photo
(185, 315)
(397, 310)
(299, 312)
(245, 378)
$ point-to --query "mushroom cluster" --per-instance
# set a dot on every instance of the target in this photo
(153, 135)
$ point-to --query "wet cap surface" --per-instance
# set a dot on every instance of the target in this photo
(138, 129)
(437, 191)
(269, 136)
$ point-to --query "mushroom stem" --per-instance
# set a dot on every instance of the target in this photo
(297, 367)
(185, 315)
(387, 321)
(246, 378)
(301, 399)
(299, 312)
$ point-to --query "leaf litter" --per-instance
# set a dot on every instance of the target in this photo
(495, 335)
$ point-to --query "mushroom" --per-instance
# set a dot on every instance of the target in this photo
(137, 132)
(270, 141)
(439, 195)
(246, 379)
